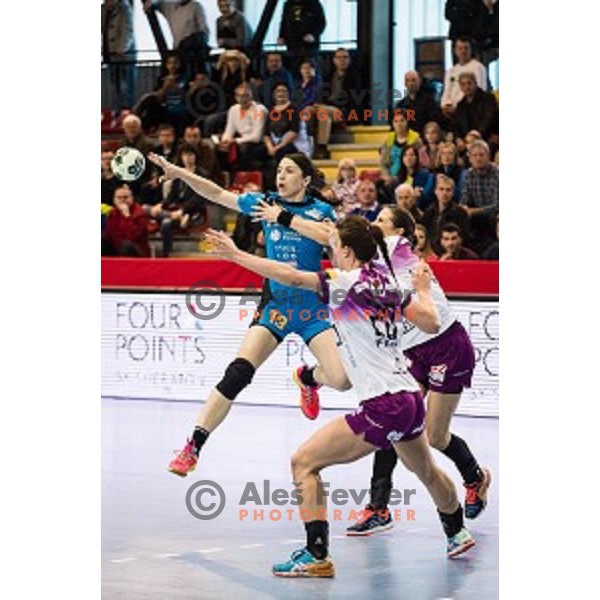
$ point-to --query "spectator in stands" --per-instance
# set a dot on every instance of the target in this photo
(244, 131)
(477, 110)
(390, 161)
(366, 197)
(282, 126)
(486, 31)
(126, 231)
(420, 179)
(432, 137)
(233, 30)
(346, 184)
(423, 246)
(445, 210)
(406, 199)
(308, 88)
(181, 204)
(167, 146)
(302, 24)
(463, 145)
(188, 24)
(492, 252)
(451, 243)
(336, 99)
(167, 103)
(118, 51)
(480, 195)
(134, 136)
(231, 70)
(420, 100)
(452, 93)
(446, 163)
(108, 182)
(208, 161)
(343, 87)
(461, 14)
(273, 73)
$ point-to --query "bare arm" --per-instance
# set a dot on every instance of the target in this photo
(318, 231)
(280, 272)
(204, 187)
(422, 312)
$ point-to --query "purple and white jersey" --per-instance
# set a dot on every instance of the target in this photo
(404, 260)
(366, 309)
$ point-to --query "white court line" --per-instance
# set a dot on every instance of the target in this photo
(209, 550)
(339, 537)
(245, 546)
(169, 555)
(293, 541)
(416, 530)
(123, 560)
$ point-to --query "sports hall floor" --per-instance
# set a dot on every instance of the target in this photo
(153, 548)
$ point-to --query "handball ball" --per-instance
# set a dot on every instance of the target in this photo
(128, 164)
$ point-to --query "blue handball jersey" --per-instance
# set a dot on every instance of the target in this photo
(283, 244)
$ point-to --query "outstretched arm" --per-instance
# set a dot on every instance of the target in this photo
(203, 187)
(319, 231)
(422, 312)
(280, 272)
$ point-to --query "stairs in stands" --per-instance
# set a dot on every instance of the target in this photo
(360, 142)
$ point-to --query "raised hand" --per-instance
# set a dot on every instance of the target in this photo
(171, 170)
(221, 243)
(265, 212)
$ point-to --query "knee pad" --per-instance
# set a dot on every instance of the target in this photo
(237, 376)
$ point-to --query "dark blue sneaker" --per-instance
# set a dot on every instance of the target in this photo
(374, 522)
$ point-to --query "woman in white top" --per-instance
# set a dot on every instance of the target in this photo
(367, 304)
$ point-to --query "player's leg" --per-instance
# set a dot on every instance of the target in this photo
(335, 443)
(416, 456)
(329, 371)
(440, 410)
(258, 344)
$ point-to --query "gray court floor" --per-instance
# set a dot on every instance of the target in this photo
(154, 548)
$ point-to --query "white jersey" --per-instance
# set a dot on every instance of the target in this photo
(366, 307)
(404, 260)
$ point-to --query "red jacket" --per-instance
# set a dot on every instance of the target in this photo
(133, 228)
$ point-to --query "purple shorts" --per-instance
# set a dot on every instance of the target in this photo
(389, 418)
(444, 364)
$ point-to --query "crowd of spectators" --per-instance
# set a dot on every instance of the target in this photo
(439, 161)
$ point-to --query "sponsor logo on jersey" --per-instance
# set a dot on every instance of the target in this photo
(315, 213)
(277, 319)
(437, 373)
(394, 436)
(275, 235)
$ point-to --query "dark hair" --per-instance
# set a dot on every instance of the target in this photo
(451, 228)
(309, 61)
(303, 162)
(395, 113)
(166, 127)
(463, 38)
(402, 219)
(188, 149)
(363, 238)
(403, 173)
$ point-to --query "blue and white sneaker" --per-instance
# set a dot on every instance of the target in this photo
(303, 564)
(374, 522)
(460, 543)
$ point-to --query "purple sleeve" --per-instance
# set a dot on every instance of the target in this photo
(324, 280)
